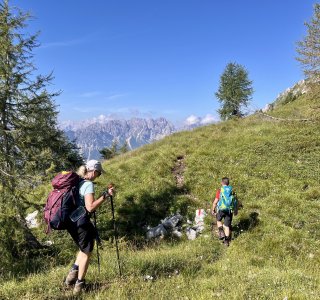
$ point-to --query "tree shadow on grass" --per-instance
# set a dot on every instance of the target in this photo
(36, 262)
(135, 213)
(246, 224)
(132, 218)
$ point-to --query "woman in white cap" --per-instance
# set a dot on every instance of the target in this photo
(84, 233)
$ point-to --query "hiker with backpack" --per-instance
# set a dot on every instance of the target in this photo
(85, 234)
(68, 207)
(224, 206)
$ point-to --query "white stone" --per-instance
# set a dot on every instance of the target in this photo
(48, 243)
(31, 220)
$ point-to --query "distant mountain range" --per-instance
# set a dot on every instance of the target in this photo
(97, 133)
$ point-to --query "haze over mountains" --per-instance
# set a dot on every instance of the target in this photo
(94, 134)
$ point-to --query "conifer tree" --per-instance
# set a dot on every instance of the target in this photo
(30, 141)
(110, 152)
(234, 92)
(124, 148)
(106, 153)
(30, 138)
(309, 49)
(114, 148)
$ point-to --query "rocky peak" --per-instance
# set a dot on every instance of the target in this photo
(94, 134)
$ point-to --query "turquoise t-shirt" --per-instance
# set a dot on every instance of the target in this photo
(86, 187)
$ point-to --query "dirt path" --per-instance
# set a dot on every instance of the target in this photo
(178, 171)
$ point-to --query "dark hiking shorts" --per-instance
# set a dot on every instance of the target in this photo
(83, 236)
(226, 215)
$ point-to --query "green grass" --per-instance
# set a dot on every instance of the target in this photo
(274, 167)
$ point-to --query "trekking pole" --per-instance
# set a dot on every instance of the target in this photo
(115, 234)
(97, 239)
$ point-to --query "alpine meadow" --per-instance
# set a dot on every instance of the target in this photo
(275, 247)
(272, 158)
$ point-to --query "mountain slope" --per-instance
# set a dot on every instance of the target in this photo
(94, 135)
(273, 165)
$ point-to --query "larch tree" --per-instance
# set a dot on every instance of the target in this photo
(235, 91)
(309, 50)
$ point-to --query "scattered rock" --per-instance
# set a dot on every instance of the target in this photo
(148, 278)
(171, 222)
(191, 234)
(156, 231)
(48, 243)
(268, 107)
(170, 225)
(31, 220)
(177, 233)
(298, 225)
(193, 231)
(199, 220)
(173, 225)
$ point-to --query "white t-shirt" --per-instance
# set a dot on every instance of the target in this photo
(86, 187)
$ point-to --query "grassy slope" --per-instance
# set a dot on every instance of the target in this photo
(274, 167)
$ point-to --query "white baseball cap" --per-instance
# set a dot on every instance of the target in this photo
(94, 165)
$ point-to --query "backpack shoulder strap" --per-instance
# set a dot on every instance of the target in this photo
(223, 195)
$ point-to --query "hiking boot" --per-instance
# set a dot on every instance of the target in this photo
(72, 277)
(79, 287)
(221, 234)
(226, 241)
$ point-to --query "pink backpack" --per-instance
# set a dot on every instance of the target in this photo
(62, 201)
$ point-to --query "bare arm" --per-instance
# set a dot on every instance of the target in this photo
(214, 204)
(91, 203)
(236, 208)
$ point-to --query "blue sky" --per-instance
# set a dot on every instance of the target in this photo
(156, 58)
